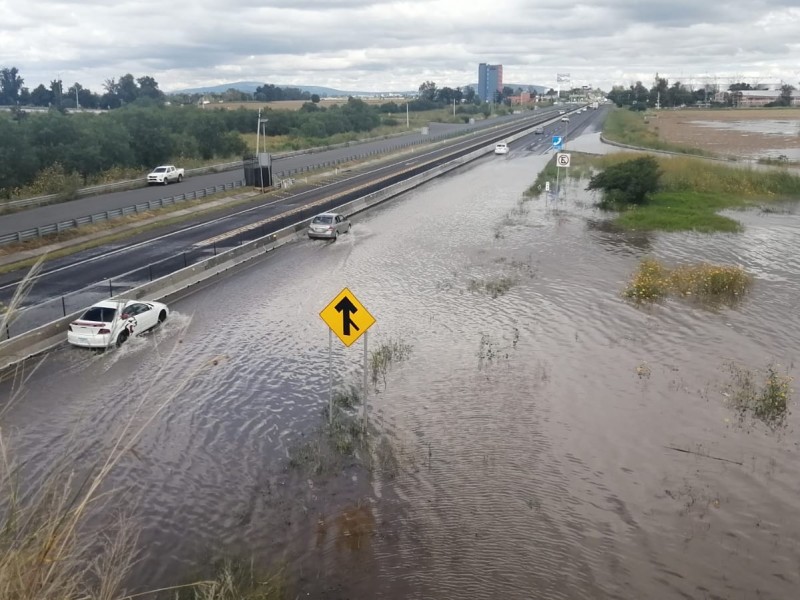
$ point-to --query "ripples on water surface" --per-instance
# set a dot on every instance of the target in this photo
(532, 427)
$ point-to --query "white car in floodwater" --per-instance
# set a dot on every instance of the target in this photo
(112, 322)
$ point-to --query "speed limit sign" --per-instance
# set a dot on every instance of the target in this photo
(562, 159)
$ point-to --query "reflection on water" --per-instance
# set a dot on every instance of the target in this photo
(535, 427)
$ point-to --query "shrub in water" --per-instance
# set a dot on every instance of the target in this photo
(629, 182)
(711, 284)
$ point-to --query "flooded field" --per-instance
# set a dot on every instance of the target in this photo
(745, 133)
(547, 438)
(784, 130)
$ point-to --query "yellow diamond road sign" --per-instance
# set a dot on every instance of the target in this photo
(347, 317)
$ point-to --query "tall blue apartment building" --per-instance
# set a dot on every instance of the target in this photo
(490, 80)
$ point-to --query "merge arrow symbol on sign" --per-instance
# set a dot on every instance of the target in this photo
(346, 308)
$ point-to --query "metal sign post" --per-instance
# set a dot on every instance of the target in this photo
(330, 376)
(562, 161)
(349, 320)
(366, 384)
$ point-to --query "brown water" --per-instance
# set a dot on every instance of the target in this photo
(533, 430)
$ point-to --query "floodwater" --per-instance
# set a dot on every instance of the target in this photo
(552, 441)
(782, 128)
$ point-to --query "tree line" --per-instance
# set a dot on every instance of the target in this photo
(661, 93)
(126, 90)
(141, 137)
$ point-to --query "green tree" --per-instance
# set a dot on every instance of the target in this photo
(629, 182)
(148, 88)
(469, 95)
(41, 96)
(427, 91)
(126, 89)
(361, 115)
(55, 137)
(18, 161)
(150, 138)
(315, 98)
(10, 85)
(786, 95)
(57, 91)
(639, 93)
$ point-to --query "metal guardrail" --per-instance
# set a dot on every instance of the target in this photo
(112, 187)
(27, 234)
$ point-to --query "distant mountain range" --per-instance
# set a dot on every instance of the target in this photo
(326, 92)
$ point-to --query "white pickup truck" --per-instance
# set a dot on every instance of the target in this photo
(164, 175)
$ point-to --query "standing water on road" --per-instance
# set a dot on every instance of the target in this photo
(552, 440)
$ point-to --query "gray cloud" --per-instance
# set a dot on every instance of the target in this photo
(388, 44)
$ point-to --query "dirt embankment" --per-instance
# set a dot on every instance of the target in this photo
(690, 128)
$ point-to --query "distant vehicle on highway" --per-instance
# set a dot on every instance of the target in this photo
(565, 119)
(165, 174)
(539, 131)
(501, 148)
(112, 322)
(562, 112)
(328, 226)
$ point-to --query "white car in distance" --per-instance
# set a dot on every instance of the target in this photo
(112, 322)
(501, 148)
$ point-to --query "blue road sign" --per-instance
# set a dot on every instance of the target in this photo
(557, 142)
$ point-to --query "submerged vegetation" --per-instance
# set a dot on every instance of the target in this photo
(705, 283)
(384, 356)
(761, 396)
(494, 286)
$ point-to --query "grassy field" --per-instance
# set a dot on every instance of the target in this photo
(694, 190)
(632, 128)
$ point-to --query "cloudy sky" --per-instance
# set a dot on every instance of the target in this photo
(386, 45)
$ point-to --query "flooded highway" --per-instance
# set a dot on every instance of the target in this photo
(550, 439)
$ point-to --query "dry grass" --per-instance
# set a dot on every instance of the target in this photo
(706, 283)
